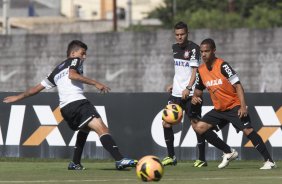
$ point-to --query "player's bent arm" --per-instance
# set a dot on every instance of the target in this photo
(73, 75)
(197, 97)
(240, 92)
(30, 92)
(198, 93)
(188, 89)
(193, 76)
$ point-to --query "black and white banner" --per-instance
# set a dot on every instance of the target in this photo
(34, 127)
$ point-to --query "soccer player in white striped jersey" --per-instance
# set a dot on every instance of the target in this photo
(186, 55)
(76, 110)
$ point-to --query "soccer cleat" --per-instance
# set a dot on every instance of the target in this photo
(73, 166)
(268, 165)
(169, 161)
(228, 157)
(200, 163)
(125, 162)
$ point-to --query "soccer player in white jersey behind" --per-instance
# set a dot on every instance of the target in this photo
(186, 55)
(76, 110)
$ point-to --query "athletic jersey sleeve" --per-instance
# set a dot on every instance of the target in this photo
(199, 83)
(75, 64)
(195, 57)
(48, 82)
(229, 73)
(172, 50)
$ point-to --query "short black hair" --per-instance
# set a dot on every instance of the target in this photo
(74, 46)
(210, 42)
(181, 25)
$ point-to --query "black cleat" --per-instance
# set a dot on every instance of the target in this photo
(73, 166)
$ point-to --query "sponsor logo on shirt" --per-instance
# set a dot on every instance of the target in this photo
(74, 61)
(228, 70)
(193, 56)
(61, 75)
(215, 82)
(181, 63)
(186, 54)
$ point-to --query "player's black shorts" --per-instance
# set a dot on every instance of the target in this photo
(192, 111)
(79, 113)
(221, 118)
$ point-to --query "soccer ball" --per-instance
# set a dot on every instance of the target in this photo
(172, 114)
(149, 168)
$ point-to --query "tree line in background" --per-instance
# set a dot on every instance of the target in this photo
(220, 14)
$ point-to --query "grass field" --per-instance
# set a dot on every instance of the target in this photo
(54, 171)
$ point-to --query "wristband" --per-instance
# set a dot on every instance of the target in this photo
(189, 88)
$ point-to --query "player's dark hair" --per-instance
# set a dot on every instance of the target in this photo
(181, 25)
(210, 42)
(75, 45)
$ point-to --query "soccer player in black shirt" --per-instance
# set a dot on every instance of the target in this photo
(76, 110)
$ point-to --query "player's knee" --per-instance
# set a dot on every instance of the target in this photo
(247, 131)
(166, 125)
(200, 127)
(101, 131)
(194, 126)
(98, 126)
(104, 130)
(194, 121)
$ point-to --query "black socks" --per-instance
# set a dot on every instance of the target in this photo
(110, 145)
(201, 147)
(259, 145)
(80, 142)
(169, 139)
(106, 140)
(212, 138)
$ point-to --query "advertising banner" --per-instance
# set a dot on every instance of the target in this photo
(34, 127)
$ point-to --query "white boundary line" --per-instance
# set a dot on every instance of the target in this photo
(114, 180)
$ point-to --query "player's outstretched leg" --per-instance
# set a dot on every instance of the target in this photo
(229, 154)
(110, 145)
(261, 147)
(125, 162)
(228, 157)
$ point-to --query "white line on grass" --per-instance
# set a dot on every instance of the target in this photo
(114, 180)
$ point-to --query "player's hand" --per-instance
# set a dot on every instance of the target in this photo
(196, 100)
(169, 88)
(185, 94)
(103, 88)
(10, 99)
(242, 112)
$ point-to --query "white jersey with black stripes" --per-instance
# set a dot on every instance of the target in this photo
(68, 90)
(185, 59)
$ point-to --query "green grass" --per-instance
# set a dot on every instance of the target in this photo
(54, 171)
